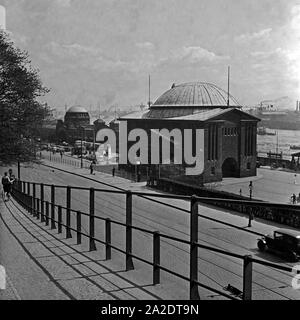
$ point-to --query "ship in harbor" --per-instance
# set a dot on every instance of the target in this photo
(275, 115)
(262, 131)
(295, 147)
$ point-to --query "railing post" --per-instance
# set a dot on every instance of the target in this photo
(247, 278)
(68, 217)
(92, 219)
(129, 262)
(59, 220)
(47, 213)
(23, 187)
(37, 214)
(107, 239)
(27, 203)
(78, 224)
(42, 203)
(19, 170)
(156, 257)
(31, 204)
(194, 293)
(28, 188)
(53, 207)
(34, 199)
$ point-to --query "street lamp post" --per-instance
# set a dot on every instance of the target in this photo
(19, 170)
(81, 160)
(94, 138)
(137, 171)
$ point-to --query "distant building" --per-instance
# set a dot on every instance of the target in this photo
(76, 126)
(229, 133)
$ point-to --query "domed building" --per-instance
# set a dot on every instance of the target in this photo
(76, 125)
(229, 134)
(76, 116)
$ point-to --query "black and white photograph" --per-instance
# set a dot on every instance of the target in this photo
(149, 153)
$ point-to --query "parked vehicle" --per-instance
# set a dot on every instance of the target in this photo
(284, 242)
(295, 147)
(90, 157)
(44, 146)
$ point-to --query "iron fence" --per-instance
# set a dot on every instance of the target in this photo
(59, 217)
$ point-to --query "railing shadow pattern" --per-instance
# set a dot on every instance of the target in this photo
(57, 216)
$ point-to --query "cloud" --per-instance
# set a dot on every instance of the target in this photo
(76, 55)
(260, 35)
(195, 55)
(295, 21)
(74, 49)
(145, 45)
(279, 52)
(63, 3)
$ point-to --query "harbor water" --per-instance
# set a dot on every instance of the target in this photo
(280, 142)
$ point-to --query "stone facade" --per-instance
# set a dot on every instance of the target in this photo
(229, 145)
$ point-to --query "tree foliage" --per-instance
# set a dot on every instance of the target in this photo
(20, 111)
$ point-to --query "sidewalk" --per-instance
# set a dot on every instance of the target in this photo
(42, 265)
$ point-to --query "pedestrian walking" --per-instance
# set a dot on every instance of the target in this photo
(61, 153)
(12, 179)
(92, 167)
(240, 192)
(113, 171)
(294, 198)
(250, 189)
(7, 185)
(251, 217)
(295, 178)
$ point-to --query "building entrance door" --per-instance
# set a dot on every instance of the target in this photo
(230, 168)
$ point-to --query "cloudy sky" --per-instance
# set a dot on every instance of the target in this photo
(91, 51)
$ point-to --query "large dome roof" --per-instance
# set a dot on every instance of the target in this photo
(77, 109)
(195, 94)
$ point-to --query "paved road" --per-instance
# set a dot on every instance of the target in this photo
(215, 269)
(269, 185)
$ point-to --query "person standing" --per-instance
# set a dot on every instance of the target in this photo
(6, 183)
(294, 198)
(251, 217)
(12, 179)
(250, 189)
(92, 167)
(295, 178)
(113, 171)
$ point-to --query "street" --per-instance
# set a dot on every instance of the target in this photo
(215, 270)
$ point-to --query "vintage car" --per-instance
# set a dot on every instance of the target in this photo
(284, 242)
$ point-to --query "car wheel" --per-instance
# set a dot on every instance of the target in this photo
(292, 257)
(261, 245)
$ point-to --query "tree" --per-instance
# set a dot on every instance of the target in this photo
(20, 112)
